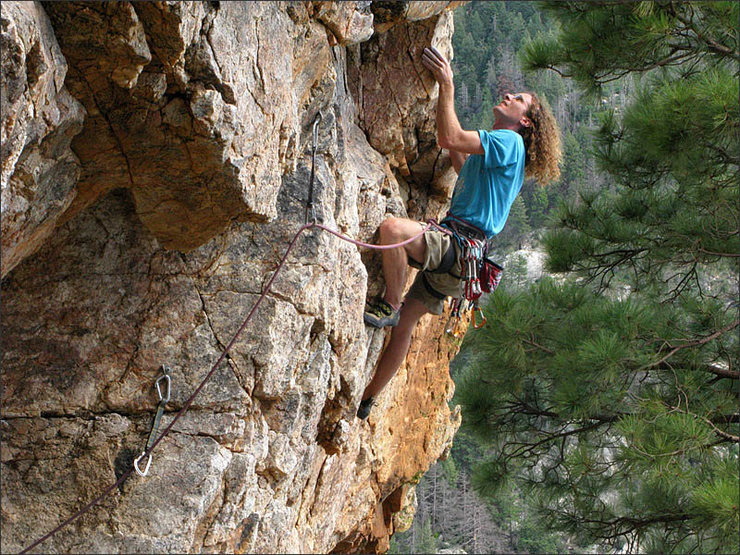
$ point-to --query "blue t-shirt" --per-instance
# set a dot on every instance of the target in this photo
(488, 183)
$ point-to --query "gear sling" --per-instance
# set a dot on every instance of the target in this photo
(478, 275)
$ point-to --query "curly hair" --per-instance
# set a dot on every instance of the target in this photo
(541, 143)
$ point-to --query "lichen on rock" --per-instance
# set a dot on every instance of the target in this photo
(156, 159)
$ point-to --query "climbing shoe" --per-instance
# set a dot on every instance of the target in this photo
(364, 411)
(380, 314)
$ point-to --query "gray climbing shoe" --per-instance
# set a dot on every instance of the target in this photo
(380, 314)
(364, 411)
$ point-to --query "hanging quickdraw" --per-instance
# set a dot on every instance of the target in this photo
(315, 137)
(163, 400)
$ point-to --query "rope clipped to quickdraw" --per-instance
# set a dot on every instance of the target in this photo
(163, 400)
(309, 203)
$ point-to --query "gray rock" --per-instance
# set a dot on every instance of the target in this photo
(39, 119)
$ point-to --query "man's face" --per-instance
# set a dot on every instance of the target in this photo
(512, 110)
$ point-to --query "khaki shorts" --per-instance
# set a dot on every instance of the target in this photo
(443, 284)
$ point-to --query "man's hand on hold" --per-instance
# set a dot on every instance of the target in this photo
(435, 62)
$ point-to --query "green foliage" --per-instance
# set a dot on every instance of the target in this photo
(428, 542)
(538, 206)
(574, 162)
(422, 540)
(609, 401)
(516, 271)
(451, 472)
(581, 399)
(607, 40)
(533, 537)
(675, 205)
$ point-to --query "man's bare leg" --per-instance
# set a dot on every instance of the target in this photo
(397, 230)
(397, 348)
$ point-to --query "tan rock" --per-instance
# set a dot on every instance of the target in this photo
(396, 96)
(389, 13)
(349, 22)
(205, 137)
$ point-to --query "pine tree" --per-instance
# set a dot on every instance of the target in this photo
(537, 203)
(516, 270)
(612, 397)
(516, 228)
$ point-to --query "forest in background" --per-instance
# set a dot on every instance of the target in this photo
(600, 411)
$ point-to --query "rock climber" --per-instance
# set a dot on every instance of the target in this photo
(491, 166)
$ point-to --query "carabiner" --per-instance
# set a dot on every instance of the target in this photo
(148, 464)
(315, 131)
(451, 324)
(458, 331)
(475, 323)
(163, 400)
(165, 376)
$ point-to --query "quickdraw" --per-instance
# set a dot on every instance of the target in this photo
(472, 252)
(163, 400)
(453, 327)
(315, 136)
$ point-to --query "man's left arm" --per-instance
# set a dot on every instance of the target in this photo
(450, 134)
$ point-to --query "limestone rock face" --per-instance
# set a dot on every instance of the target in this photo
(349, 22)
(193, 107)
(148, 241)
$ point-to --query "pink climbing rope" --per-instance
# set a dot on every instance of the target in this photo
(431, 224)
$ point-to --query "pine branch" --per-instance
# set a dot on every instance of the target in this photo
(727, 418)
(528, 448)
(721, 433)
(698, 343)
(723, 372)
(659, 63)
(722, 254)
(540, 347)
(636, 524)
(683, 283)
(529, 409)
(711, 44)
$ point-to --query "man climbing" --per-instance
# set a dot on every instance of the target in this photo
(491, 166)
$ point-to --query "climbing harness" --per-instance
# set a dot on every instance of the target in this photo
(163, 400)
(478, 274)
